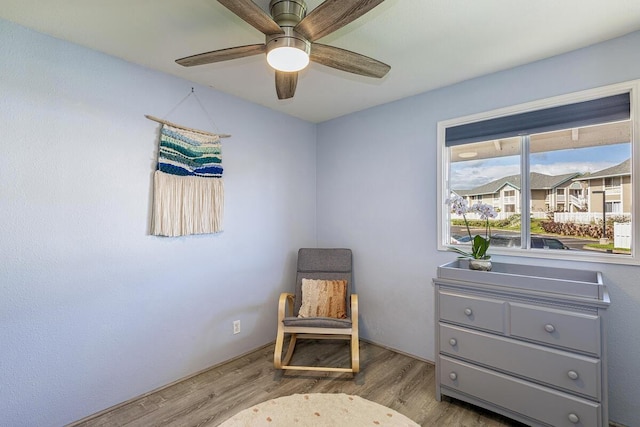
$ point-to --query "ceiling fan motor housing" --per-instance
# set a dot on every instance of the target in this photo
(290, 38)
(287, 13)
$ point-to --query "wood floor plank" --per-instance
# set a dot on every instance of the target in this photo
(397, 381)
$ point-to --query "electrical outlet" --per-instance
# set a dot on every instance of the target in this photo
(236, 327)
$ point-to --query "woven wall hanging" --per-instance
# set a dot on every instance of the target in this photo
(188, 190)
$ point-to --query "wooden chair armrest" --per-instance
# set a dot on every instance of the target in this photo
(354, 311)
(285, 305)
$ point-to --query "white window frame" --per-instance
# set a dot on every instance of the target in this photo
(615, 186)
(614, 207)
(631, 87)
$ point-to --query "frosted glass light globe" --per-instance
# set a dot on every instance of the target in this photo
(288, 59)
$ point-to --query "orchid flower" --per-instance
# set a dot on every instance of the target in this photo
(479, 244)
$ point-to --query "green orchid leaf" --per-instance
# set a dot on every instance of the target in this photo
(479, 247)
(460, 251)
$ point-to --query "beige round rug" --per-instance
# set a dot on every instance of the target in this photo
(318, 410)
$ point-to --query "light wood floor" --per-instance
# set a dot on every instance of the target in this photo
(391, 379)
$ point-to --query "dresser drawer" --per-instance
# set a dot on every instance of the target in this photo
(572, 330)
(572, 372)
(540, 403)
(477, 312)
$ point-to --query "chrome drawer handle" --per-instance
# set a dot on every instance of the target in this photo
(453, 341)
(574, 418)
(549, 327)
(453, 376)
(468, 311)
(573, 375)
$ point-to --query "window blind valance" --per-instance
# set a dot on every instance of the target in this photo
(585, 113)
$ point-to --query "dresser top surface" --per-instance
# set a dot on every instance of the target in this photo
(561, 281)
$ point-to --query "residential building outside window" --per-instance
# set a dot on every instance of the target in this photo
(558, 173)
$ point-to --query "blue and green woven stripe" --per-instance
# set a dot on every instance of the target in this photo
(186, 153)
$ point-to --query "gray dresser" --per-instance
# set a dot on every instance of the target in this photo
(524, 341)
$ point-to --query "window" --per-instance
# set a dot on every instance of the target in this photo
(552, 170)
(613, 207)
(509, 200)
(613, 182)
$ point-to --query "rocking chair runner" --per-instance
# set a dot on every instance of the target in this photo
(318, 264)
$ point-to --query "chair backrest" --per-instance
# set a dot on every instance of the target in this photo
(324, 264)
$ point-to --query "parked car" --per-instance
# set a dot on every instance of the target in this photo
(537, 242)
(456, 239)
(547, 243)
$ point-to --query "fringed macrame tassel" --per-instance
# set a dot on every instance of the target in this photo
(185, 205)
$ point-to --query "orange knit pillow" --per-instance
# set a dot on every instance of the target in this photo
(324, 298)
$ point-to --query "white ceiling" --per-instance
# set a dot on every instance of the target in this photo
(428, 43)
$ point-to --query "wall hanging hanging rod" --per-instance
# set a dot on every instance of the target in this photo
(166, 122)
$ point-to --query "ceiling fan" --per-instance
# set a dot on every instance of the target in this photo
(290, 36)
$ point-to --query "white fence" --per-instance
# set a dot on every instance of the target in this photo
(501, 215)
(581, 217)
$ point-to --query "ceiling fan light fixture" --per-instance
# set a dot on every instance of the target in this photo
(288, 52)
(288, 59)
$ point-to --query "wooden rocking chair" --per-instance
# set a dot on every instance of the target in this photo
(317, 267)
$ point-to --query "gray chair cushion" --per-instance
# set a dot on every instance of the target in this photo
(319, 259)
(317, 322)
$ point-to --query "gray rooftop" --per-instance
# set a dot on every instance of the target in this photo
(538, 181)
(621, 169)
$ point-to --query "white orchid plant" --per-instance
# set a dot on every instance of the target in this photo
(479, 244)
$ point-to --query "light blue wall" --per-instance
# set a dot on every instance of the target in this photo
(93, 310)
(377, 195)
